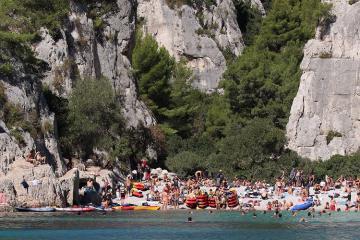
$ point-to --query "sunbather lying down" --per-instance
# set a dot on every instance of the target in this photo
(35, 158)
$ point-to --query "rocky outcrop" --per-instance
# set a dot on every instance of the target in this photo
(198, 35)
(44, 188)
(258, 4)
(29, 115)
(69, 185)
(9, 149)
(325, 115)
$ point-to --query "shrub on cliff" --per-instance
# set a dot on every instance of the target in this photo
(94, 118)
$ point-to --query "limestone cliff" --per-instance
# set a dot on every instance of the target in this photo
(200, 35)
(325, 114)
(86, 51)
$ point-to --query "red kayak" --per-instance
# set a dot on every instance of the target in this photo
(127, 208)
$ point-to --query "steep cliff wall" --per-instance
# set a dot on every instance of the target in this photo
(325, 114)
(86, 50)
(200, 35)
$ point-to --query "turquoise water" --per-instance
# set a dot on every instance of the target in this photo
(172, 225)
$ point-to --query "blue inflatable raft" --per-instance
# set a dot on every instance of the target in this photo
(302, 206)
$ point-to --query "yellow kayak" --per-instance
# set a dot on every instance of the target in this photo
(148, 208)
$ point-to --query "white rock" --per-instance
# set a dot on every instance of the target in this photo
(178, 31)
(328, 99)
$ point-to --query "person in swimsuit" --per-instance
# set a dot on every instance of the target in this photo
(128, 185)
(165, 199)
(176, 197)
(332, 204)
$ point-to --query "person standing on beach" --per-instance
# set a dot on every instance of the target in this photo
(219, 178)
(128, 185)
(165, 199)
(176, 197)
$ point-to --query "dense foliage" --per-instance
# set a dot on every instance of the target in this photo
(94, 115)
(165, 86)
(91, 119)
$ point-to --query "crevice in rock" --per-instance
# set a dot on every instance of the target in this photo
(301, 115)
(97, 66)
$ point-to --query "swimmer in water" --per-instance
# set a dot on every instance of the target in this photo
(254, 215)
(302, 220)
(189, 219)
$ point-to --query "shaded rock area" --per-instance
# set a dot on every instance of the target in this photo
(325, 115)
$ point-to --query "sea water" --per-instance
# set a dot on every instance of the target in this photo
(173, 225)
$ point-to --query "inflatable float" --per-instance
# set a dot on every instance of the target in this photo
(302, 206)
(232, 200)
(202, 201)
(139, 186)
(136, 193)
(212, 202)
(191, 203)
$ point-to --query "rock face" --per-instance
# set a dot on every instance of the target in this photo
(85, 51)
(45, 189)
(199, 35)
(325, 115)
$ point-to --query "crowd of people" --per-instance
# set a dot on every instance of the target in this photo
(171, 191)
(167, 189)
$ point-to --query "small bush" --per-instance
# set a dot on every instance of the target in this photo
(331, 134)
(325, 55)
(204, 32)
(13, 114)
(58, 80)
(2, 94)
(99, 23)
(28, 126)
(351, 2)
(47, 127)
(17, 134)
(6, 69)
